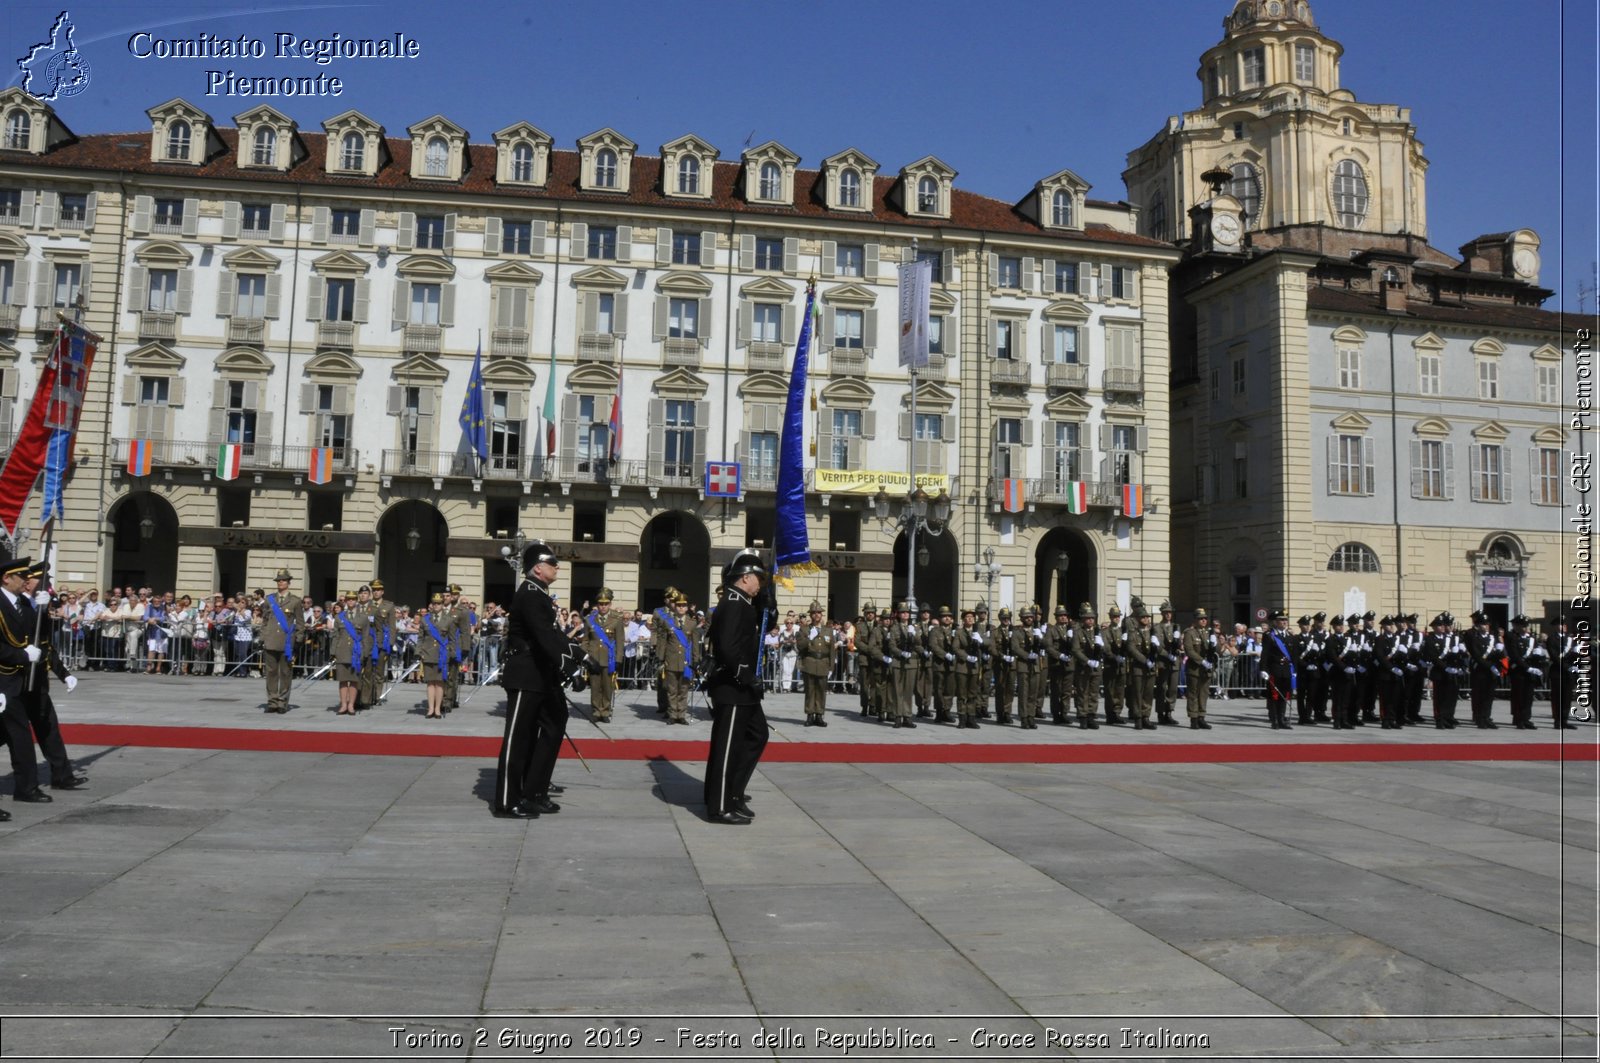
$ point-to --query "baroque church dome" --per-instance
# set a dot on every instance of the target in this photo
(1248, 14)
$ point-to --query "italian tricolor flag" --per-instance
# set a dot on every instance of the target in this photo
(229, 456)
(1077, 497)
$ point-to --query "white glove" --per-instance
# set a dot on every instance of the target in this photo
(1397, 671)
(1149, 666)
(2, 703)
(32, 652)
(1008, 659)
(1061, 656)
(1033, 656)
(1264, 677)
(1207, 665)
(41, 598)
(1535, 672)
(1411, 668)
(971, 659)
(888, 660)
(977, 638)
(1098, 641)
(72, 683)
(1349, 671)
(949, 656)
(905, 655)
(1094, 664)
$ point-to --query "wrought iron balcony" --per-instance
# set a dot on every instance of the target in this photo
(346, 459)
(9, 316)
(194, 454)
(1010, 372)
(249, 331)
(1129, 381)
(1067, 376)
(338, 334)
(1054, 491)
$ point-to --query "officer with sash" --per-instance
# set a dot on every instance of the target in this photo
(350, 633)
(674, 639)
(816, 644)
(361, 612)
(1278, 673)
(41, 710)
(280, 630)
(605, 635)
(383, 617)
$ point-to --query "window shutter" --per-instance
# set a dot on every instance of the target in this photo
(450, 232)
(1051, 460)
(1019, 332)
(825, 442)
(43, 282)
(1027, 431)
(1533, 474)
(747, 323)
(1331, 449)
(905, 425)
(401, 308)
(663, 246)
(1449, 470)
(791, 323)
(425, 401)
(344, 399)
(619, 314)
(853, 449)
(624, 243)
(869, 268)
(662, 323)
(826, 339)
(947, 264)
(316, 292)
(177, 391)
(227, 290)
(185, 291)
(492, 238)
(947, 428)
(516, 405)
(658, 435)
(540, 232)
(791, 253)
(499, 306)
(701, 433)
(361, 311)
(703, 322)
(191, 217)
(1416, 469)
(588, 312)
(994, 270)
(708, 249)
(138, 289)
(869, 330)
(578, 241)
(308, 398)
(869, 424)
(86, 281)
(1047, 276)
(279, 215)
(568, 443)
(1047, 343)
(143, 208)
(232, 219)
(405, 234)
(1369, 475)
(447, 305)
(366, 227)
(19, 284)
(1086, 279)
(130, 390)
(1141, 438)
(397, 400)
(747, 252)
(91, 209)
(1029, 266)
(1105, 437)
(1105, 281)
(264, 435)
(1475, 470)
(321, 218)
(1133, 285)
(830, 257)
(994, 337)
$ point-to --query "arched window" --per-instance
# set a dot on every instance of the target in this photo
(266, 147)
(1349, 193)
(605, 168)
(436, 161)
(522, 163)
(1061, 207)
(688, 175)
(928, 196)
(19, 127)
(1353, 557)
(1503, 553)
(353, 152)
(178, 140)
(771, 181)
(1246, 188)
(849, 188)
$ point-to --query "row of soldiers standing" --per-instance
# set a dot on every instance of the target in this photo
(930, 667)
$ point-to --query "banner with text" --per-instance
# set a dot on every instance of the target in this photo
(869, 481)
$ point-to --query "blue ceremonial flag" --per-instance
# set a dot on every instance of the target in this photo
(474, 423)
(793, 545)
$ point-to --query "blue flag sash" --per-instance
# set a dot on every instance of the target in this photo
(611, 647)
(288, 628)
(1294, 680)
(441, 642)
(683, 640)
(792, 545)
(355, 638)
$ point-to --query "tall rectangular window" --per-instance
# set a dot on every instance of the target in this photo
(846, 427)
(1431, 472)
(594, 433)
(1068, 460)
(1488, 474)
(935, 261)
(411, 423)
(1428, 374)
(848, 329)
(168, 216)
(1254, 62)
(1488, 378)
(935, 334)
(769, 253)
(340, 304)
(1239, 377)
(1305, 62)
(1010, 271)
(1009, 460)
(1349, 368)
(1066, 278)
(762, 461)
(7, 279)
(153, 390)
(255, 221)
(425, 303)
(685, 248)
(68, 280)
(1548, 476)
(333, 427)
(680, 456)
(1124, 440)
(241, 418)
(1064, 349)
(683, 318)
(430, 231)
(850, 260)
(505, 433)
(1348, 475)
(516, 237)
(344, 227)
(1005, 346)
(766, 325)
(605, 313)
(10, 206)
(1122, 282)
(74, 210)
(1547, 387)
(163, 290)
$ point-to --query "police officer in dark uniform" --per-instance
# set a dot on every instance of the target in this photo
(17, 653)
(540, 661)
(36, 689)
(738, 726)
(1485, 650)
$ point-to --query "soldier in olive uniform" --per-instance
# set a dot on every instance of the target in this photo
(966, 644)
(902, 656)
(280, 630)
(1141, 670)
(669, 598)
(366, 619)
(869, 654)
(1004, 662)
(605, 634)
(675, 642)
(923, 687)
(984, 680)
(1166, 639)
(1058, 654)
(383, 617)
(348, 649)
(941, 639)
(1028, 649)
(1087, 649)
(463, 623)
(1116, 666)
(816, 644)
(1200, 660)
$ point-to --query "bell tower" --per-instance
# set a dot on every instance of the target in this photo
(1299, 149)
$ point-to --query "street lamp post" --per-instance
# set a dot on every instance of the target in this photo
(512, 554)
(987, 570)
(918, 513)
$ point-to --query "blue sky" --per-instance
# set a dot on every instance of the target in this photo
(1006, 94)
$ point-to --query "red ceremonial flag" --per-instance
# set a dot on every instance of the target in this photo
(139, 457)
(1077, 496)
(53, 408)
(1133, 500)
(321, 467)
(1011, 496)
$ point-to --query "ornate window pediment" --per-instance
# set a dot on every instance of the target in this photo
(1351, 422)
(849, 295)
(1058, 201)
(1488, 347)
(425, 268)
(522, 155)
(1493, 432)
(421, 370)
(1066, 311)
(931, 398)
(355, 145)
(592, 380)
(687, 167)
(333, 365)
(685, 284)
(13, 245)
(847, 393)
(340, 264)
(438, 149)
(251, 260)
(512, 273)
(1349, 336)
(243, 361)
(1550, 436)
(681, 383)
(1428, 343)
(1545, 353)
(769, 173)
(941, 303)
(508, 374)
(599, 279)
(268, 139)
(925, 187)
(764, 387)
(155, 358)
(30, 124)
(1009, 407)
(1432, 428)
(605, 161)
(181, 133)
(847, 181)
(768, 288)
(162, 253)
(1068, 406)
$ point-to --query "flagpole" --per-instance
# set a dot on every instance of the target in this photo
(911, 470)
(63, 330)
(477, 458)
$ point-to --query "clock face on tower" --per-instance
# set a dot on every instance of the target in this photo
(1225, 229)
(1525, 262)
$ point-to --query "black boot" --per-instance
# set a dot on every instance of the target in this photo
(1203, 725)
(1194, 723)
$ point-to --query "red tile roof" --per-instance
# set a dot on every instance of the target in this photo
(130, 152)
(1488, 316)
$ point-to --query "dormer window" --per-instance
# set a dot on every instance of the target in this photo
(849, 188)
(771, 180)
(19, 130)
(178, 137)
(436, 160)
(605, 168)
(265, 152)
(1061, 208)
(353, 152)
(927, 196)
(689, 175)
(522, 163)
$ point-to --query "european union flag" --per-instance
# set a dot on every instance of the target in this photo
(474, 421)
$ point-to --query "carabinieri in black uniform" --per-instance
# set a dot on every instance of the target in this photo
(738, 726)
(541, 660)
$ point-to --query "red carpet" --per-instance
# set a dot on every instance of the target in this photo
(426, 745)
